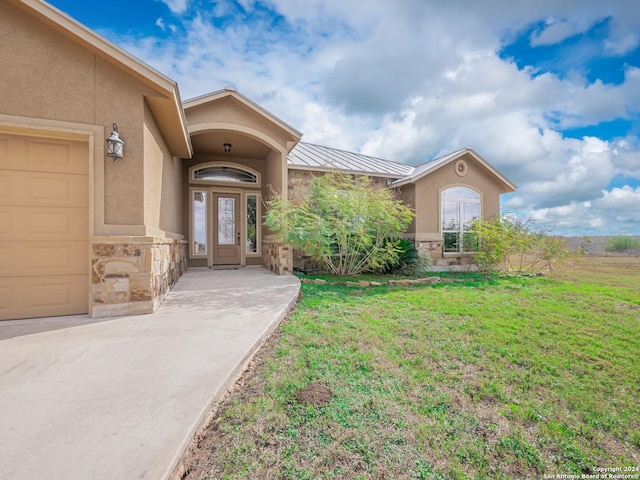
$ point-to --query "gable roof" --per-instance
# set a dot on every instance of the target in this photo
(432, 165)
(166, 108)
(233, 93)
(307, 156)
(317, 157)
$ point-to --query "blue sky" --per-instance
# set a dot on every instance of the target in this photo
(549, 93)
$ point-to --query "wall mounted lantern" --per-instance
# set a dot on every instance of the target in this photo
(227, 147)
(115, 145)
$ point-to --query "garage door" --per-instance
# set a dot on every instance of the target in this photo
(44, 226)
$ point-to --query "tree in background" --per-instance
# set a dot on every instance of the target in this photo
(508, 243)
(622, 244)
(344, 224)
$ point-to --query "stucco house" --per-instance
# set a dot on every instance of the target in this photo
(84, 232)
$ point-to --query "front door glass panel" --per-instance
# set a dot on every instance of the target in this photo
(226, 221)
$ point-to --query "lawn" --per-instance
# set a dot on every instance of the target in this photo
(512, 377)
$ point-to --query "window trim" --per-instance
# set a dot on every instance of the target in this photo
(192, 227)
(460, 202)
(231, 184)
(245, 195)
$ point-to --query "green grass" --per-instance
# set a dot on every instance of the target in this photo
(485, 378)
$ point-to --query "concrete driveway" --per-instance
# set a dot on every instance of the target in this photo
(122, 398)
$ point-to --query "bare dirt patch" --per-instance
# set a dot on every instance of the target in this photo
(314, 394)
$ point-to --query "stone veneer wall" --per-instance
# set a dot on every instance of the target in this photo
(298, 182)
(304, 263)
(132, 275)
(277, 257)
(432, 249)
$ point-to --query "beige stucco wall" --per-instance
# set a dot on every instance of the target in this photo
(427, 194)
(163, 181)
(43, 74)
(407, 194)
(231, 111)
(275, 178)
(48, 76)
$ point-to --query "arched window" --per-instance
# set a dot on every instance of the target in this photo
(460, 208)
(218, 173)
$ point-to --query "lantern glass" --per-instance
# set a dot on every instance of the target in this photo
(115, 145)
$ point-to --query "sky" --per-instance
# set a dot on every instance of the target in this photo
(548, 92)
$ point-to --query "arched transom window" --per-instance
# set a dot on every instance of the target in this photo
(460, 208)
(224, 174)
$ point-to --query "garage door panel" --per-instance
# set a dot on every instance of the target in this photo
(44, 226)
(44, 189)
(38, 188)
(23, 224)
(18, 259)
(27, 297)
(5, 223)
(6, 260)
(43, 155)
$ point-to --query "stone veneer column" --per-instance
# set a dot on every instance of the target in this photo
(132, 275)
(277, 257)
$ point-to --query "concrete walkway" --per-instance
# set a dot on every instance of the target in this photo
(122, 398)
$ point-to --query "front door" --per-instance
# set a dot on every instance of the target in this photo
(226, 229)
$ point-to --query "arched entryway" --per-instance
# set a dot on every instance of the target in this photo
(239, 161)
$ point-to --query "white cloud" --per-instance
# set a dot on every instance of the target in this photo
(410, 80)
(617, 211)
(553, 32)
(176, 6)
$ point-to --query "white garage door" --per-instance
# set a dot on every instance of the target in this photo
(44, 226)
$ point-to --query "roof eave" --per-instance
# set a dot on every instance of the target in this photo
(167, 104)
(508, 185)
(350, 172)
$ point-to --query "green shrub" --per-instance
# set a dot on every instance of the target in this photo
(343, 224)
(508, 243)
(622, 244)
(407, 257)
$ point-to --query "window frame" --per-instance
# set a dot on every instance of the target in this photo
(226, 183)
(460, 201)
(208, 204)
(192, 221)
(245, 203)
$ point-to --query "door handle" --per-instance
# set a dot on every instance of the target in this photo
(238, 238)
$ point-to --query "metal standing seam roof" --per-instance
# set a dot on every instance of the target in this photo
(320, 157)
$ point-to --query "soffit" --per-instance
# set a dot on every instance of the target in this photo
(242, 146)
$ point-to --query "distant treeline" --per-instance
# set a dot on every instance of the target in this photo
(605, 245)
